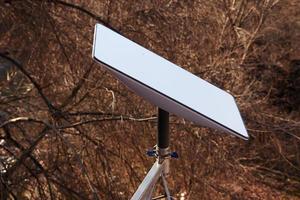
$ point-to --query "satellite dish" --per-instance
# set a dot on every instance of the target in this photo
(165, 84)
(170, 88)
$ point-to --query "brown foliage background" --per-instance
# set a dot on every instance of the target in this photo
(69, 130)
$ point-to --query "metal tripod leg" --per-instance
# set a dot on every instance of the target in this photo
(168, 195)
(144, 192)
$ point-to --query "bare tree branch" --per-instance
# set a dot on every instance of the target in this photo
(32, 80)
(81, 9)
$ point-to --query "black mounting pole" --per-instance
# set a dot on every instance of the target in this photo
(162, 129)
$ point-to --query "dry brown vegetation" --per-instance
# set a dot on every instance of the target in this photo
(69, 130)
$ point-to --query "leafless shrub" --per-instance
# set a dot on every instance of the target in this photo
(69, 130)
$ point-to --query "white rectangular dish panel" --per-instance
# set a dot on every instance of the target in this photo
(165, 84)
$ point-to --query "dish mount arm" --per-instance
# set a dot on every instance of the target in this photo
(163, 129)
(160, 168)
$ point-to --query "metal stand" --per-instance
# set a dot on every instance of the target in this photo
(160, 168)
